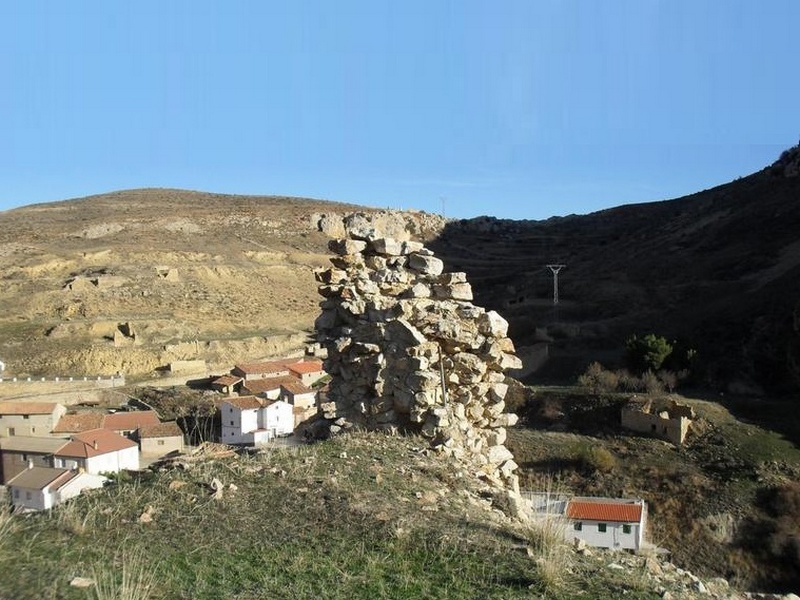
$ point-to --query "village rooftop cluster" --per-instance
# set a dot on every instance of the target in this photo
(48, 453)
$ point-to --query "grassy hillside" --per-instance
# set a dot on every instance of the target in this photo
(363, 516)
(722, 503)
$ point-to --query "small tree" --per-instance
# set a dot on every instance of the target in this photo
(647, 353)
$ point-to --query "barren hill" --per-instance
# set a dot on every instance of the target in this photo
(132, 280)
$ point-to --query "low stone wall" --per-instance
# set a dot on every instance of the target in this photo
(99, 381)
(408, 349)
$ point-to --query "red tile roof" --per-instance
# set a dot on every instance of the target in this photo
(129, 421)
(244, 402)
(311, 366)
(295, 387)
(169, 429)
(259, 386)
(272, 366)
(598, 510)
(226, 380)
(79, 422)
(83, 444)
(26, 408)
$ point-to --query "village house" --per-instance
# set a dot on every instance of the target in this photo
(41, 488)
(79, 422)
(157, 440)
(252, 421)
(19, 452)
(308, 372)
(268, 388)
(98, 451)
(262, 370)
(29, 418)
(613, 523)
(127, 422)
(227, 384)
(296, 394)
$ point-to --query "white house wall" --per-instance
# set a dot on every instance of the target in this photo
(612, 538)
(114, 462)
(278, 417)
(77, 484)
(31, 498)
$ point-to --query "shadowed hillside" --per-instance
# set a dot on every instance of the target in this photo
(719, 269)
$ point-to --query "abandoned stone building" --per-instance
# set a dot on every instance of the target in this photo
(668, 420)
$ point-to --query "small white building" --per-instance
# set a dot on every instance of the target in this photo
(613, 523)
(41, 488)
(98, 451)
(252, 421)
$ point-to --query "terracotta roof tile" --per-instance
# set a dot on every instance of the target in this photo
(128, 421)
(169, 429)
(79, 422)
(295, 387)
(597, 510)
(227, 380)
(259, 386)
(26, 408)
(244, 402)
(311, 366)
(271, 366)
(83, 444)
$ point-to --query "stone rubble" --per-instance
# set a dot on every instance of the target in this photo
(408, 350)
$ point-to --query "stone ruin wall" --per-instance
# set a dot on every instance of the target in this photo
(396, 326)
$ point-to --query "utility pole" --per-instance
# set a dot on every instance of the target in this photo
(555, 269)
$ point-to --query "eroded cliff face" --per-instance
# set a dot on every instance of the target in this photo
(407, 349)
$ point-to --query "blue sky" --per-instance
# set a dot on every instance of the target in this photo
(517, 109)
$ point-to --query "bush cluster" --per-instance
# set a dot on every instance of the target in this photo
(596, 459)
(597, 380)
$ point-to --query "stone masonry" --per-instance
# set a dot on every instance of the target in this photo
(408, 350)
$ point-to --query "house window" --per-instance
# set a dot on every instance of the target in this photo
(26, 416)
(160, 442)
(27, 495)
(601, 527)
(16, 493)
(578, 526)
(231, 423)
(33, 429)
(626, 528)
(11, 431)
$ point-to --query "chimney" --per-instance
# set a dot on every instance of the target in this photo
(30, 463)
(95, 445)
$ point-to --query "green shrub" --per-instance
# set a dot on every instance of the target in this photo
(647, 353)
(597, 459)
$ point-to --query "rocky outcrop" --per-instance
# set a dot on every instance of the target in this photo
(394, 224)
(788, 164)
(407, 349)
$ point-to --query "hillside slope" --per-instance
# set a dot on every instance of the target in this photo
(172, 274)
(719, 269)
